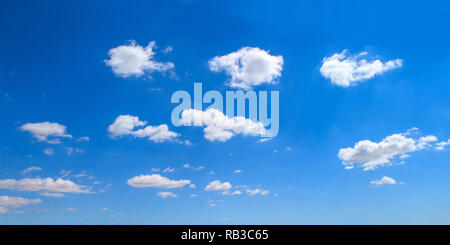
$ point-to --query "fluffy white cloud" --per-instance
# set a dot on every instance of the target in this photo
(126, 124)
(424, 142)
(47, 184)
(370, 155)
(31, 169)
(248, 67)
(156, 180)
(219, 126)
(345, 70)
(165, 194)
(384, 181)
(216, 185)
(44, 130)
(135, 60)
(441, 145)
(237, 171)
(7, 202)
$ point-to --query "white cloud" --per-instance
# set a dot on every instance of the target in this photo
(155, 169)
(345, 70)
(232, 193)
(84, 139)
(186, 165)
(441, 145)
(31, 169)
(125, 125)
(248, 67)
(237, 171)
(192, 186)
(47, 184)
(216, 185)
(371, 155)
(80, 175)
(257, 191)
(165, 194)
(7, 203)
(48, 151)
(70, 150)
(156, 180)
(168, 49)
(64, 173)
(135, 60)
(169, 170)
(44, 130)
(262, 140)
(52, 194)
(384, 181)
(424, 142)
(219, 126)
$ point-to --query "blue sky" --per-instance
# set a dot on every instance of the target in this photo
(53, 69)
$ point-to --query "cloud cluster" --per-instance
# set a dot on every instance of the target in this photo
(383, 181)
(46, 131)
(225, 188)
(219, 126)
(345, 70)
(156, 180)
(7, 203)
(47, 184)
(371, 155)
(248, 67)
(441, 145)
(135, 60)
(126, 124)
(216, 185)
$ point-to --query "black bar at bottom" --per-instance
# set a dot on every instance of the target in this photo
(221, 234)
